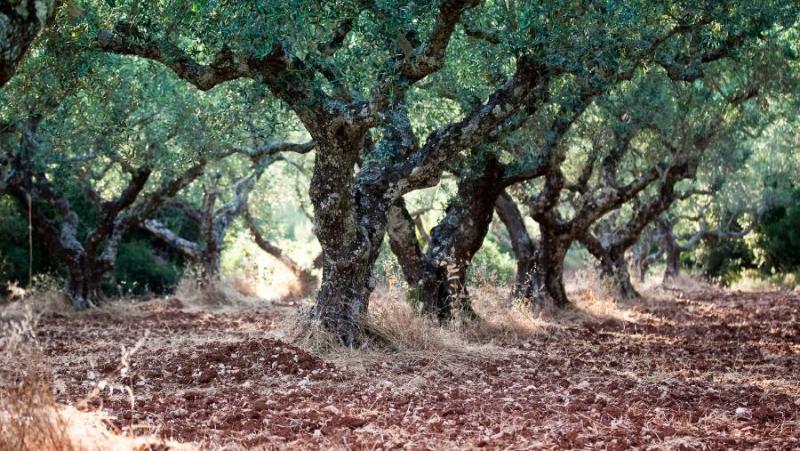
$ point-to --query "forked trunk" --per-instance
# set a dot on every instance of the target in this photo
(440, 274)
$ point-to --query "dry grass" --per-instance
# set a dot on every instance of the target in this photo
(393, 327)
(30, 418)
(227, 292)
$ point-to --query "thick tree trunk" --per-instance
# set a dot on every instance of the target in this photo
(444, 295)
(83, 284)
(350, 222)
(672, 251)
(614, 270)
(441, 275)
(343, 297)
(209, 266)
(521, 280)
(544, 283)
(673, 264)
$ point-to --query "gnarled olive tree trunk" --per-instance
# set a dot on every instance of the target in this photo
(438, 276)
(349, 225)
(83, 283)
(454, 242)
(86, 259)
(20, 23)
(351, 208)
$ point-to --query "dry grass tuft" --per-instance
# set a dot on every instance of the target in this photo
(27, 418)
(393, 321)
(686, 282)
(226, 292)
(501, 318)
(393, 328)
(31, 419)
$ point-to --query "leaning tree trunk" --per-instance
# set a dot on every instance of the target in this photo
(441, 273)
(454, 242)
(614, 270)
(306, 280)
(405, 246)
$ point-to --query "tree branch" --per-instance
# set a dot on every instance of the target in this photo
(189, 249)
(225, 66)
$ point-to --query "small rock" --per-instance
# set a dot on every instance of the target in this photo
(331, 409)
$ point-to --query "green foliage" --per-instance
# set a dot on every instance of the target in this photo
(139, 271)
(14, 251)
(778, 239)
(490, 264)
(722, 261)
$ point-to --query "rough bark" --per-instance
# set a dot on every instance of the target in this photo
(610, 238)
(439, 274)
(613, 268)
(545, 285)
(20, 23)
(404, 244)
(83, 283)
(544, 281)
(454, 242)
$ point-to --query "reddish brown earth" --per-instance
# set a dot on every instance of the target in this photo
(698, 370)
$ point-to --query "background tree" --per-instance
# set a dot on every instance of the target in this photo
(213, 219)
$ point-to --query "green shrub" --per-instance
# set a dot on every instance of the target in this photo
(139, 271)
(722, 261)
(491, 265)
(14, 252)
(778, 242)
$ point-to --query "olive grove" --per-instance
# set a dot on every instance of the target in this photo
(593, 121)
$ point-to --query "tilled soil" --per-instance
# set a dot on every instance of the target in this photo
(707, 369)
